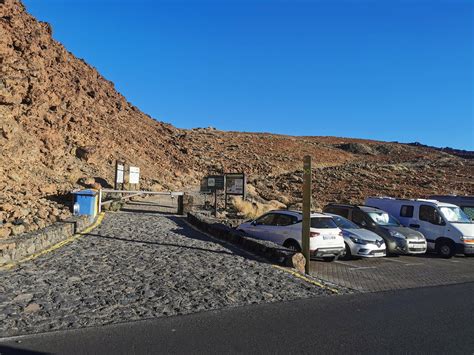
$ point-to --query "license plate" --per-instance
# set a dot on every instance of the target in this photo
(378, 254)
(328, 237)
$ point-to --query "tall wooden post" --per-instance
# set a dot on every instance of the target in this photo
(306, 209)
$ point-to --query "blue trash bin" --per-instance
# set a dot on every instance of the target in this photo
(87, 201)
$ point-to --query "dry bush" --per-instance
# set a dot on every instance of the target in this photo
(255, 209)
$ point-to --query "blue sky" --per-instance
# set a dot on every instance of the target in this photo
(391, 70)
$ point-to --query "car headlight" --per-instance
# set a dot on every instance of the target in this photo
(397, 234)
(358, 240)
(467, 240)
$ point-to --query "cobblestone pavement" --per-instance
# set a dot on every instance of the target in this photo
(135, 266)
(390, 273)
(152, 204)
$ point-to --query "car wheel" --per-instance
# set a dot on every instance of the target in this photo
(292, 245)
(329, 258)
(348, 255)
(445, 249)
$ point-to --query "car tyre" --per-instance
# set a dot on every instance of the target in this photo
(445, 249)
(329, 258)
(348, 255)
(292, 245)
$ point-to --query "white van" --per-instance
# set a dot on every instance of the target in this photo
(447, 229)
(465, 202)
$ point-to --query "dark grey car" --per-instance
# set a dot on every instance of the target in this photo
(398, 239)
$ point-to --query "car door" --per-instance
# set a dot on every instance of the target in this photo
(263, 227)
(431, 225)
(358, 217)
(285, 228)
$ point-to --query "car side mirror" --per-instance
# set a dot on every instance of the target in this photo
(440, 221)
(363, 224)
(253, 223)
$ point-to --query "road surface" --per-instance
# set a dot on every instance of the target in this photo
(423, 320)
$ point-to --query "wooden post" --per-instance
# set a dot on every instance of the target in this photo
(306, 209)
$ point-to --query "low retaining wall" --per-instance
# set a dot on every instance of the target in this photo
(23, 245)
(266, 249)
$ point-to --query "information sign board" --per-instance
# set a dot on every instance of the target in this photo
(134, 175)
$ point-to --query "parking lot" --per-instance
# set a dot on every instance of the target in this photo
(396, 272)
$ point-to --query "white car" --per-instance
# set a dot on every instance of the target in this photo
(284, 228)
(360, 242)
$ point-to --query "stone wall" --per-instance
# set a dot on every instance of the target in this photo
(21, 246)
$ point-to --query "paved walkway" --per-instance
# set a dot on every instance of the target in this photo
(136, 266)
(391, 273)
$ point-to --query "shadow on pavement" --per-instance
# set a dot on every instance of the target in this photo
(156, 243)
(7, 350)
(185, 230)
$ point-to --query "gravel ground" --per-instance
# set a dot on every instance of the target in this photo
(136, 266)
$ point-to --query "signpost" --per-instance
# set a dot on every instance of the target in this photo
(231, 183)
(119, 174)
(213, 183)
(307, 177)
(234, 185)
(134, 175)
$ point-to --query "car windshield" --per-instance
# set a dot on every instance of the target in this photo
(322, 223)
(383, 219)
(343, 223)
(454, 215)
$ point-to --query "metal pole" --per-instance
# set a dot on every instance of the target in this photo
(100, 201)
(306, 209)
(215, 203)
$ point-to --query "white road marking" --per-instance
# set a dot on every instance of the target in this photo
(363, 267)
(355, 267)
(343, 263)
(448, 260)
(394, 261)
(414, 264)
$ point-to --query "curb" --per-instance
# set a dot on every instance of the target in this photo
(68, 240)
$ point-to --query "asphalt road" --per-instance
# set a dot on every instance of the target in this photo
(422, 320)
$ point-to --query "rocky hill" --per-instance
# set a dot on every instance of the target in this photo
(62, 123)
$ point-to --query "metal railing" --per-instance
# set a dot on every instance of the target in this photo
(134, 193)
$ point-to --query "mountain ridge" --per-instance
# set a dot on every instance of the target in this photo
(62, 123)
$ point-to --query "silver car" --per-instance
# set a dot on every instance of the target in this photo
(359, 242)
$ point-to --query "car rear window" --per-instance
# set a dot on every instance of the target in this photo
(321, 223)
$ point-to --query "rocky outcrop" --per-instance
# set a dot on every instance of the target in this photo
(62, 124)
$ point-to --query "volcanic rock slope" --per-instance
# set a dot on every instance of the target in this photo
(62, 122)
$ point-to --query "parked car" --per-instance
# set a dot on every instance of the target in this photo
(398, 239)
(359, 242)
(447, 229)
(285, 228)
(465, 202)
